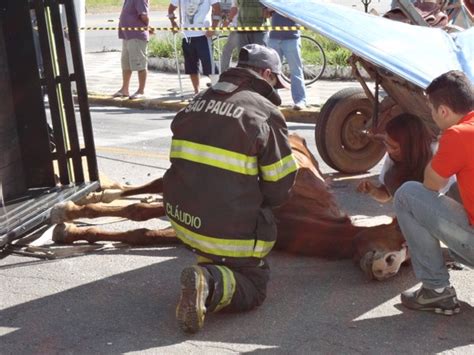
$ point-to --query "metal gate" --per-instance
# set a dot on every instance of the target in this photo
(51, 150)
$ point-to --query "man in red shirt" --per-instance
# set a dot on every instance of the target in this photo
(427, 217)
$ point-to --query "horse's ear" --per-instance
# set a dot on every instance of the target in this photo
(296, 141)
(366, 263)
(395, 224)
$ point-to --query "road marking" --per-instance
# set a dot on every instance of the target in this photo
(130, 152)
(133, 137)
(6, 330)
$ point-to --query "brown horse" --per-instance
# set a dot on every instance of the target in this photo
(309, 223)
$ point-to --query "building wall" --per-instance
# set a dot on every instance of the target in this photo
(11, 171)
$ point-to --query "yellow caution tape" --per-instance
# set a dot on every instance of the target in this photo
(228, 29)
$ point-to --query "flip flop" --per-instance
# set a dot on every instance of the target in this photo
(119, 94)
(137, 96)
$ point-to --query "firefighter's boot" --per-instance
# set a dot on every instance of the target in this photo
(191, 308)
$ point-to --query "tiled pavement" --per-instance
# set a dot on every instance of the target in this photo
(103, 76)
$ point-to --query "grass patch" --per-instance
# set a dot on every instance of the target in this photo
(335, 54)
(98, 6)
(163, 47)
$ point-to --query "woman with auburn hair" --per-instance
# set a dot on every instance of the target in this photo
(409, 145)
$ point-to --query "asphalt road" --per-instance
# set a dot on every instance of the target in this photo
(123, 300)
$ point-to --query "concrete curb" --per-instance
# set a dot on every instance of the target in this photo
(332, 72)
(309, 115)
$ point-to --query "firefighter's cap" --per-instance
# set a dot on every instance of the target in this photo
(258, 56)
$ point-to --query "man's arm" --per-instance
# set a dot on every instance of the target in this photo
(432, 180)
(230, 16)
(378, 193)
(172, 16)
(216, 17)
(171, 9)
(232, 13)
(267, 13)
(145, 19)
(142, 9)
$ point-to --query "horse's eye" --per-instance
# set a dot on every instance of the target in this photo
(390, 259)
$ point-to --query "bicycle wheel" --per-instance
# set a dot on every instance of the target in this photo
(313, 59)
(218, 44)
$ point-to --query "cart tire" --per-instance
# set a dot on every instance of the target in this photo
(338, 139)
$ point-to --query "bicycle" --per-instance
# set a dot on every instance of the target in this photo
(312, 55)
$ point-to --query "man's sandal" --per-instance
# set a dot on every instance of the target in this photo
(119, 94)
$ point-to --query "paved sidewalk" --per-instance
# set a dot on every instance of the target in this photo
(104, 77)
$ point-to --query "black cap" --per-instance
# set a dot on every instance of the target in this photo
(262, 57)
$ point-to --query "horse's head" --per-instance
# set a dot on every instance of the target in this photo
(380, 250)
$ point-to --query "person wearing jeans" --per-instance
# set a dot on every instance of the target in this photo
(231, 44)
(249, 13)
(288, 45)
(426, 216)
(226, 56)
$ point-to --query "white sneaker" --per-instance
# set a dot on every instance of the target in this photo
(299, 106)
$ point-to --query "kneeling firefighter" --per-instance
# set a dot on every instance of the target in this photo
(231, 163)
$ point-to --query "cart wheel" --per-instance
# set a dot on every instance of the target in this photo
(339, 137)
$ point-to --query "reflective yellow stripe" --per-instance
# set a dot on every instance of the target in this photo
(216, 157)
(228, 287)
(203, 260)
(235, 248)
(280, 169)
(215, 246)
(262, 248)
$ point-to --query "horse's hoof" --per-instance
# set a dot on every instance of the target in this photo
(110, 195)
(104, 196)
(60, 235)
(59, 212)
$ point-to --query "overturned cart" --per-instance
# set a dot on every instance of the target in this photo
(401, 59)
(47, 155)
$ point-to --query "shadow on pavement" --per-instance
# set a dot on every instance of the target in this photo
(313, 305)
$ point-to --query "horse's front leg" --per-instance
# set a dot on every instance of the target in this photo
(115, 191)
(153, 187)
(69, 211)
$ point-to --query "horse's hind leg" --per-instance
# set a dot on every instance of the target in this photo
(69, 233)
(69, 211)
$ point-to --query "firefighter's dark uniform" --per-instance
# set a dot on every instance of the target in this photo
(231, 163)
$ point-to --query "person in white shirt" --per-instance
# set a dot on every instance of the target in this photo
(196, 44)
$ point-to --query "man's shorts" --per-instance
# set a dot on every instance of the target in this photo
(134, 54)
(197, 49)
